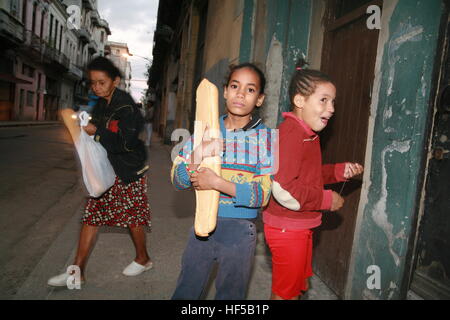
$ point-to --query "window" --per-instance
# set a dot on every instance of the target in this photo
(24, 11)
(15, 8)
(56, 33)
(33, 27)
(60, 38)
(41, 34)
(21, 100)
(51, 28)
(27, 70)
(30, 98)
(102, 39)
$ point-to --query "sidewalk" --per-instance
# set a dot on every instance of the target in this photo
(27, 123)
(172, 217)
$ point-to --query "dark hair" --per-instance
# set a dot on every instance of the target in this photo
(232, 68)
(105, 65)
(305, 81)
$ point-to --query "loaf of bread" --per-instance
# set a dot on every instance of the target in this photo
(207, 115)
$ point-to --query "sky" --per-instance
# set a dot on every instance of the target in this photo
(132, 22)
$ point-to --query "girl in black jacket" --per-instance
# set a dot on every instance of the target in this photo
(116, 123)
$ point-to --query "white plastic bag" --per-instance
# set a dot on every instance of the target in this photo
(98, 174)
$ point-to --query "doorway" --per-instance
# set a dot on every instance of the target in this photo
(431, 275)
(348, 56)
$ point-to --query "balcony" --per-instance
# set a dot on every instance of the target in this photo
(33, 46)
(90, 4)
(92, 46)
(102, 23)
(95, 17)
(63, 60)
(10, 28)
(84, 35)
(52, 55)
(75, 71)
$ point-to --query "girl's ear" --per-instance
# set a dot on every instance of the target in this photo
(225, 92)
(260, 100)
(299, 101)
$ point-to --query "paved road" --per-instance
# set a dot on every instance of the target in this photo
(39, 193)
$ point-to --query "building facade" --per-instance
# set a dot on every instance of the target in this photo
(118, 53)
(389, 60)
(43, 56)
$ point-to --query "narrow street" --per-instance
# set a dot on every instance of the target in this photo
(39, 193)
(42, 199)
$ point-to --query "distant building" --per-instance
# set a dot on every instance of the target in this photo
(118, 52)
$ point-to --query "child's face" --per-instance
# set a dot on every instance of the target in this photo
(242, 93)
(317, 109)
(102, 85)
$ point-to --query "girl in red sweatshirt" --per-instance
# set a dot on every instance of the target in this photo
(298, 194)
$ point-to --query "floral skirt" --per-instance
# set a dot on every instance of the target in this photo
(123, 205)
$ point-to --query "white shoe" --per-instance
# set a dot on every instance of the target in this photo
(134, 268)
(60, 280)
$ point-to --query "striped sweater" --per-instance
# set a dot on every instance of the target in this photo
(246, 161)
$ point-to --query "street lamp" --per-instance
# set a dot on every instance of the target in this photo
(127, 55)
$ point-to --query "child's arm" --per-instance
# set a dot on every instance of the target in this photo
(340, 172)
(252, 194)
(333, 173)
(189, 161)
(179, 175)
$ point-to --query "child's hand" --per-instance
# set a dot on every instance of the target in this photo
(352, 169)
(209, 147)
(90, 129)
(204, 179)
(337, 201)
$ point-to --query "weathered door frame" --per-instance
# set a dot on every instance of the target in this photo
(332, 24)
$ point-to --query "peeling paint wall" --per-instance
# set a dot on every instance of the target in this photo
(286, 28)
(397, 134)
(274, 68)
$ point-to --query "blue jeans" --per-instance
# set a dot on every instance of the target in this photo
(232, 245)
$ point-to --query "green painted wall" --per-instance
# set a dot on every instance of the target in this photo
(296, 45)
(289, 22)
(398, 145)
(245, 51)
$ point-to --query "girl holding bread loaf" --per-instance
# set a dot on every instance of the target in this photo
(244, 188)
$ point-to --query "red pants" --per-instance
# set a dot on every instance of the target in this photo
(291, 260)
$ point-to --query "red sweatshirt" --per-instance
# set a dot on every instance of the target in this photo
(300, 178)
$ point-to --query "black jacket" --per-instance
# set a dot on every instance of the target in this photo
(118, 127)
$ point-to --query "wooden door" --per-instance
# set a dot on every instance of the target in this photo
(349, 56)
(431, 277)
